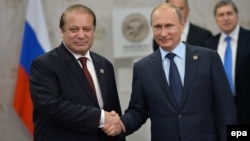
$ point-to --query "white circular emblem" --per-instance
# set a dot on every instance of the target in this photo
(135, 27)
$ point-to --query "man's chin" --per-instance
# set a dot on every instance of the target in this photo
(165, 44)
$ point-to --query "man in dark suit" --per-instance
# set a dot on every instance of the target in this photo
(202, 106)
(69, 104)
(226, 16)
(192, 34)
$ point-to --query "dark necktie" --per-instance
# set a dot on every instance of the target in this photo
(228, 62)
(83, 61)
(174, 79)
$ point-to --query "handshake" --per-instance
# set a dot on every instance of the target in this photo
(113, 124)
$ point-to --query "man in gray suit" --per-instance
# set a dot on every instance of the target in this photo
(203, 104)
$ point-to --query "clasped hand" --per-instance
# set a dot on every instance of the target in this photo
(113, 124)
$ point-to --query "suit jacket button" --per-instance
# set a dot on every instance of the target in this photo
(179, 115)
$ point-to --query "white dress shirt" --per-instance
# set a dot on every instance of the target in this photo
(222, 47)
(91, 69)
(179, 60)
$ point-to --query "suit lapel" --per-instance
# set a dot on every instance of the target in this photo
(192, 61)
(242, 48)
(75, 69)
(158, 72)
(99, 69)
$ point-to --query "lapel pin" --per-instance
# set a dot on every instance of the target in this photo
(195, 57)
(101, 70)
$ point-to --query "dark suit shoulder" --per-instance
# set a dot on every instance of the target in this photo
(197, 35)
(213, 38)
(201, 51)
(244, 32)
(200, 29)
(46, 57)
(212, 42)
(155, 54)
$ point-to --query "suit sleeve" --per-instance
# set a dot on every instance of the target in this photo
(137, 113)
(224, 103)
(51, 107)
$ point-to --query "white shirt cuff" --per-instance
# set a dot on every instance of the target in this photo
(102, 119)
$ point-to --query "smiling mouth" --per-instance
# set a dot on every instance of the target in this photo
(165, 40)
(81, 43)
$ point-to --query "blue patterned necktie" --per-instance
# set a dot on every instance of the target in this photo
(228, 62)
(174, 79)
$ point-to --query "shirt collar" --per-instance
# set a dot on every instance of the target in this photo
(179, 51)
(77, 56)
(234, 34)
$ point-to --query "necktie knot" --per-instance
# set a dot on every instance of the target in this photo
(228, 38)
(83, 60)
(170, 56)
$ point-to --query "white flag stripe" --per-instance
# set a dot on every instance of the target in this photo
(36, 19)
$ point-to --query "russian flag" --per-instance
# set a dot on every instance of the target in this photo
(35, 42)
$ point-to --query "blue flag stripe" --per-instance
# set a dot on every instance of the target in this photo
(30, 48)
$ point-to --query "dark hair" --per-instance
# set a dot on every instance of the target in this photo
(78, 7)
(167, 1)
(225, 3)
(167, 5)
